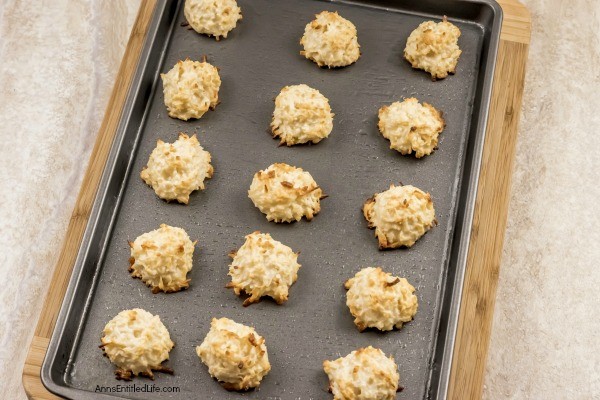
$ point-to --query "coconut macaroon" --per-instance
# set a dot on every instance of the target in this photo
(330, 40)
(212, 17)
(263, 266)
(138, 343)
(400, 215)
(191, 88)
(162, 258)
(411, 127)
(434, 48)
(379, 300)
(285, 193)
(175, 170)
(302, 114)
(235, 354)
(364, 374)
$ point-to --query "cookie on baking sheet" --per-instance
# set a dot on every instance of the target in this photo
(175, 170)
(162, 258)
(263, 266)
(235, 354)
(190, 89)
(379, 300)
(364, 374)
(212, 17)
(411, 127)
(400, 215)
(434, 48)
(330, 40)
(136, 342)
(302, 114)
(285, 193)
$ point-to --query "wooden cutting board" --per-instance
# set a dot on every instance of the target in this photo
(487, 236)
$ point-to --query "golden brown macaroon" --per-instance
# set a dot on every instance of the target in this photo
(212, 17)
(330, 40)
(162, 259)
(137, 342)
(379, 300)
(302, 115)
(364, 374)
(263, 266)
(434, 48)
(411, 127)
(235, 355)
(400, 215)
(191, 88)
(175, 170)
(285, 193)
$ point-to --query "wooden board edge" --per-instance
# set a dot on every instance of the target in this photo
(479, 297)
(83, 206)
(32, 369)
(489, 225)
(516, 26)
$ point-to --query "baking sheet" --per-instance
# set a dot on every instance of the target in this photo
(258, 58)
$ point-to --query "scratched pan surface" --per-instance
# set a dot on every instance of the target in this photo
(258, 58)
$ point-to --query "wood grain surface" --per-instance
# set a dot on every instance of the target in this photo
(487, 236)
(83, 206)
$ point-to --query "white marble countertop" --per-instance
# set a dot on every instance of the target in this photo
(58, 65)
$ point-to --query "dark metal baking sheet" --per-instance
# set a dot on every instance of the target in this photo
(258, 58)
